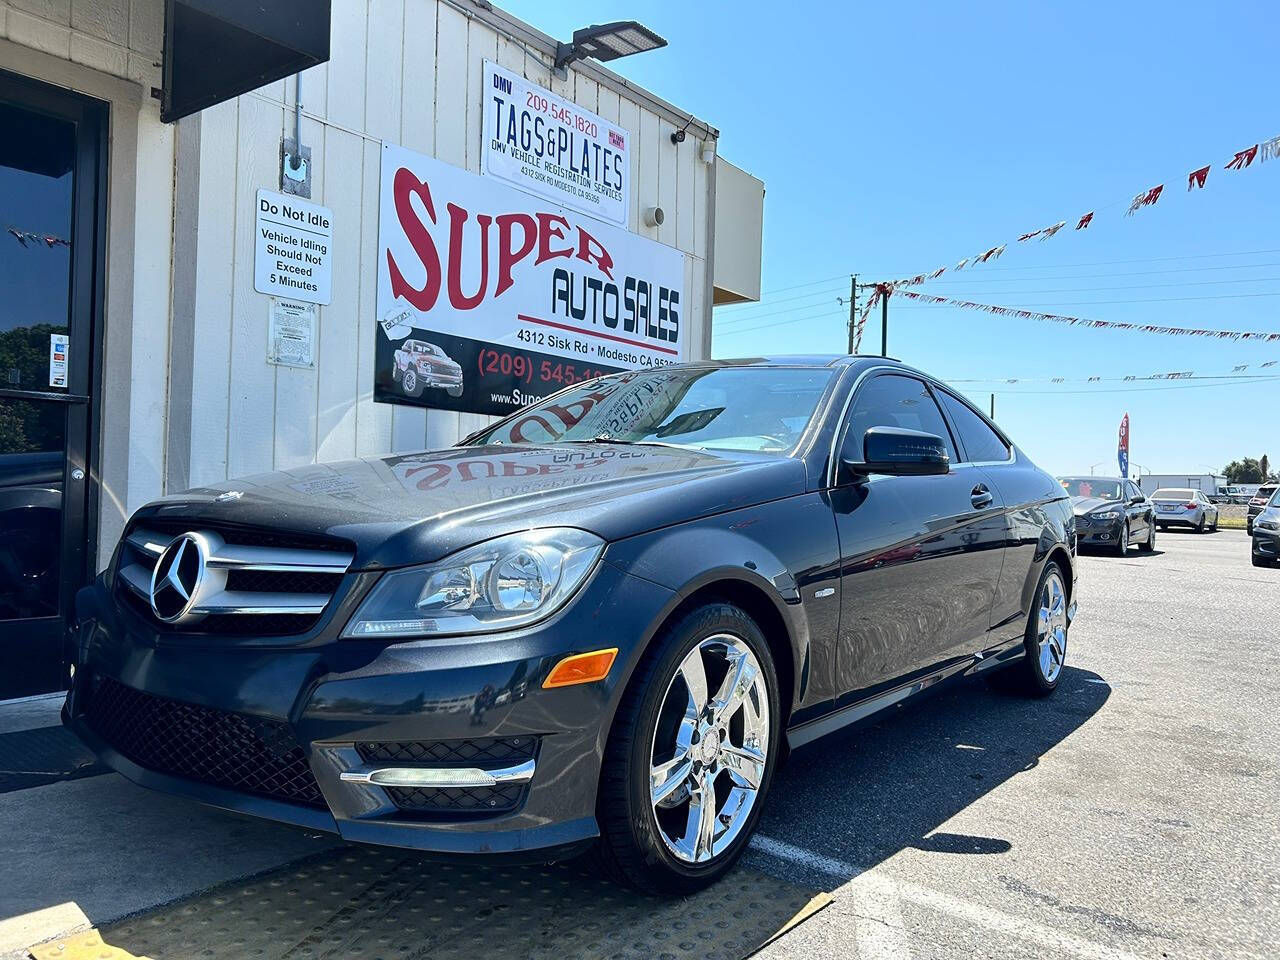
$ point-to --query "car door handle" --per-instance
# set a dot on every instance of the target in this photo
(981, 497)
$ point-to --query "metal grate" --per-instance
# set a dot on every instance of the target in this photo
(480, 752)
(472, 800)
(483, 752)
(231, 750)
(233, 624)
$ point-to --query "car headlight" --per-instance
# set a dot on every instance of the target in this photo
(1105, 515)
(501, 584)
(1267, 524)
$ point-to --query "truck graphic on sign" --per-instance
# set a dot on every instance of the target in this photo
(419, 365)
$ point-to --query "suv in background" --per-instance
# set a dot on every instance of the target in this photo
(1259, 503)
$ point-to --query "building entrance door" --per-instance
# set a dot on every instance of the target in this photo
(51, 158)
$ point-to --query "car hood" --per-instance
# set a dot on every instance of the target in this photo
(1086, 504)
(418, 507)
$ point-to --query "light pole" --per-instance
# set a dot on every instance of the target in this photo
(1098, 464)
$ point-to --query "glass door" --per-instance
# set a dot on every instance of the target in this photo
(50, 156)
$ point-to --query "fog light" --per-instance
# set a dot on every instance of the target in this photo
(581, 668)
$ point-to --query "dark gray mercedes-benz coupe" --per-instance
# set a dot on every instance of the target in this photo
(599, 624)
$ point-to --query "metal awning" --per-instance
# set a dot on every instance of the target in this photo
(218, 49)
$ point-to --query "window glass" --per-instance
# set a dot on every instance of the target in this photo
(981, 443)
(1091, 487)
(763, 409)
(1173, 493)
(1134, 492)
(895, 401)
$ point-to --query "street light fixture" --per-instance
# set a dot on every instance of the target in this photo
(607, 41)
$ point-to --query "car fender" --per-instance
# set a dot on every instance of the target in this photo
(776, 562)
(1052, 543)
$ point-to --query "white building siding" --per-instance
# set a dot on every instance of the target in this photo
(408, 72)
(189, 397)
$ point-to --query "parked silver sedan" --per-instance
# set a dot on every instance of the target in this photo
(1184, 507)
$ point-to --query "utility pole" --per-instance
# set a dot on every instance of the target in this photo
(884, 323)
(993, 408)
(853, 308)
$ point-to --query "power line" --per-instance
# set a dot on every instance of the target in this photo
(1180, 386)
(738, 316)
(1071, 303)
(1126, 286)
(1106, 263)
(825, 311)
(1101, 276)
(811, 283)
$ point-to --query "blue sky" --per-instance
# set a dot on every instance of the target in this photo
(894, 138)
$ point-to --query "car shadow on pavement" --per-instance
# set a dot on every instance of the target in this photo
(863, 796)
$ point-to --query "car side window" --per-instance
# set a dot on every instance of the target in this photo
(1134, 492)
(981, 443)
(892, 400)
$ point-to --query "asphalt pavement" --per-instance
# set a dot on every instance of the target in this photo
(1132, 814)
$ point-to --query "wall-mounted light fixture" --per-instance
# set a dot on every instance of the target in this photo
(605, 42)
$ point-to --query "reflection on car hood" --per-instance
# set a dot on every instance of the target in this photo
(1085, 504)
(417, 507)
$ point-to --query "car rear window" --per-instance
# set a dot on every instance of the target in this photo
(1173, 493)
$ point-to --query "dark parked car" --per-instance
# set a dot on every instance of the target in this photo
(1258, 502)
(1111, 512)
(600, 623)
(1265, 533)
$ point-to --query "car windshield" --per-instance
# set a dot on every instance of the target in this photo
(1274, 492)
(1173, 493)
(1091, 487)
(763, 409)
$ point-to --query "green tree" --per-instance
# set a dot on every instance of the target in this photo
(1247, 470)
(1264, 468)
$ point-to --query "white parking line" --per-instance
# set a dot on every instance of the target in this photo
(885, 938)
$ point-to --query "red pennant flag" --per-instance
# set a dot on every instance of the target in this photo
(1243, 158)
(1085, 221)
(1196, 178)
(1028, 236)
(1145, 199)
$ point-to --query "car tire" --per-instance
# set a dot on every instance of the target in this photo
(1150, 545)
(1200, 525)
(411, 383)
(1259, 561)
(1122, 547)
(1038, 673)
(638, 844)
(1214, 528)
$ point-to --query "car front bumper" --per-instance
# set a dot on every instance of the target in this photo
(1093, 533)
(312, 712)
(442, 378)
(1266, 544)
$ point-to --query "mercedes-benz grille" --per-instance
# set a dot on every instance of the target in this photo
(203, 579)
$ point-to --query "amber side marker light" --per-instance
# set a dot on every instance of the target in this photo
(581, 668)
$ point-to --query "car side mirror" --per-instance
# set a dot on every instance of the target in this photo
(900, 453)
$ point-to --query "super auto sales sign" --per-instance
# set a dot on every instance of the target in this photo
(489, 298)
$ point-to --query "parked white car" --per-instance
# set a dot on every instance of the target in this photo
(1184, 507)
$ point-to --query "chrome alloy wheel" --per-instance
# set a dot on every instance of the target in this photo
(709, 750)
(1051, 631)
